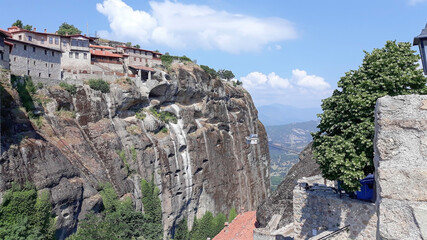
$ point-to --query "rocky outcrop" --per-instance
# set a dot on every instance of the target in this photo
(280, 201)
(200, 162)
(400, 146)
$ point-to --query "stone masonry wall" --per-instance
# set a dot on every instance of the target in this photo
(325, 210)
(401, 166)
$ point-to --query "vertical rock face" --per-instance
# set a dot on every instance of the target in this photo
(280, 201)
(401, 166)
(201, 163)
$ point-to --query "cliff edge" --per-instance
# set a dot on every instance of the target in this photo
(181, 128)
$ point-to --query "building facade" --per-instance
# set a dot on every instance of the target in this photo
(136, 56)
(35, 60)
(5, 49)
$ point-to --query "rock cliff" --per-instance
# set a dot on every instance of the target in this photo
(199, 160)
(280, 201)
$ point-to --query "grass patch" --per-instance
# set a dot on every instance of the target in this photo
(99, 85)
(133, 151)
(71, 88)
(25, 89)
(134, 130)
(65, 114)
(168, 59)
(164, 130)
(164, 116)
(140, 114)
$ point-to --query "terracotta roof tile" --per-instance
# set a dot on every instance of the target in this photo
(105, 53)
(142, 68)
(100, 46)
(241, 228)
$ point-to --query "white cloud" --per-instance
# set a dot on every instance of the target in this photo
(414, 2)
(179, 25)
(301, 90)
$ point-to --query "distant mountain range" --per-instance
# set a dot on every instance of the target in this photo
(278, 114)
(285, 142)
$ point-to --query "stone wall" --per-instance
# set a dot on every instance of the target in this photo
(401, 166)
(324, 210)
(35, 61)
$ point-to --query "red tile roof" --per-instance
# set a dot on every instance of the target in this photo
(105, 53)
(100, 46)
(5, 33)
(241, 228)
(140, 49)
(139, 67)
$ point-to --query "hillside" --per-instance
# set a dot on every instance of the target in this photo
(279, 114)
(285, 142)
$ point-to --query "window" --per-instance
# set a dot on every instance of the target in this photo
(46, 64)
(134, 59)
(140, 59)
(85, 55)
(40, 74)
(53, 54)
(51, 65)
(50, 40)
(77, 55)
(42, 40)
(28, 72)
(34, 49)
(1, 55)
(49, 74)
(45, 52)
(30, 38)
(34, 63)
(20, 37)
(14, 59)
(25, 47)
(64, 43)
(56, 41)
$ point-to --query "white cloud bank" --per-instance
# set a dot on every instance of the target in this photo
(301, 90)
(182, 26)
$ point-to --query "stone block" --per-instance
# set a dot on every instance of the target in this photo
(403, 184)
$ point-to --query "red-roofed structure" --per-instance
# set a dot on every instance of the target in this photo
(241, 228)
(101, 47)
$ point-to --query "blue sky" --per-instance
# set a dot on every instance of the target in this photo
(286, 52)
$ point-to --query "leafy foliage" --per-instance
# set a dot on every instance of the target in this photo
(181, 232)
(118, 220)
(168, 59)
(128, 44)
(25, 215)
(212, 73)
(208, 226)
(71, 88)
(232, 214)
(225, 74)
(140, 114)
(25, 89)
(137, 46)
(100, 85)
(153, 228)
(164, 116)
(343, 146)
(70, 29)
(19, 24)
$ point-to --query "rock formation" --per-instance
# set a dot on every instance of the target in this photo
(280, 201)
(200, 162)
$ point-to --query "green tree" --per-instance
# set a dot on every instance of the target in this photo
(26, 215)
(232, 214)
(137, 46)
(153, 228)
(28, 27)
(118, 220)
(69, 29)
(18, 23)
(181, 232)
(343, 146)
(225, 74)
(128, 44)
(212, 73)
(218, 223)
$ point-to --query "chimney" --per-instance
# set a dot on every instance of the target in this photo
(34, 29)
(45, 31)
(226, 227)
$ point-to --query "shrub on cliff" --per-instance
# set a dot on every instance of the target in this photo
(343, 146)
(26, 215)
(210, 71)
(153, 228)
(71, 88)
(99, 85)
